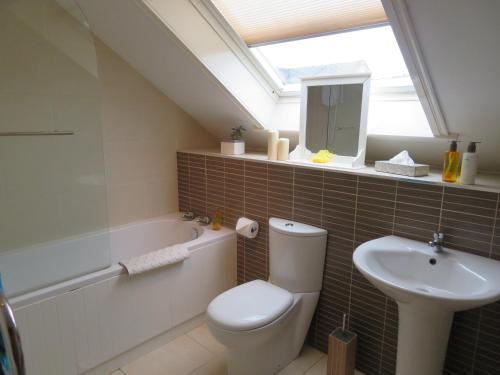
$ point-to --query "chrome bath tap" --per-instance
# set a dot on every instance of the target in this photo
(437, 242)
(203, 220)
(188, 216)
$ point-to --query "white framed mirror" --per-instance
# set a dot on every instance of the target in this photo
(333, 116)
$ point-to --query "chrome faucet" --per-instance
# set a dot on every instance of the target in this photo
(188, 216)
(203, 220)
(437, 242)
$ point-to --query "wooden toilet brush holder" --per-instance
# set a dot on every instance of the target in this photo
(342, 351)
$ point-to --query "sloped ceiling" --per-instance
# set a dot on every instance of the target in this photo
(459, 39)
(153, 50)
(460, 44)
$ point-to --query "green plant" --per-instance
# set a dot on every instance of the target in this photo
(237, 133)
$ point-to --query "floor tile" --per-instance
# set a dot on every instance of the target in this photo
(307, 358)
(217, 366)
(116, 372)
(179, 357)
(319, 368)
(202, 336)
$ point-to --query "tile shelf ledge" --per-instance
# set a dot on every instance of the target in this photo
(485, 182)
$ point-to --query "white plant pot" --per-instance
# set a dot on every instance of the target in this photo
(232, 147)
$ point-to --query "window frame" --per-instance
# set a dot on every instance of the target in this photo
(402, 27)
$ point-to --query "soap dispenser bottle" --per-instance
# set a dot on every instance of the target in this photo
(469, 165)
(451, 163)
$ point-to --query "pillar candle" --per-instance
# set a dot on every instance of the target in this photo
(283, 148)
(272, 144)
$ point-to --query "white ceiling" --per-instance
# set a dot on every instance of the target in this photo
(459, 39)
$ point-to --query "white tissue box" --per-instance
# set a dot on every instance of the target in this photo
(232, 147)
(416, 170)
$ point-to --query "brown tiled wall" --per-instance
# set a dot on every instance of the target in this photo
(354, 209)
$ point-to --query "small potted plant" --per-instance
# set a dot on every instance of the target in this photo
(235, 146)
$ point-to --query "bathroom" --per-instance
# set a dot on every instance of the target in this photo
(169, 206)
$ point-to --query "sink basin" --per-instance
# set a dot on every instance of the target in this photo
(428, 288)
(411, 271)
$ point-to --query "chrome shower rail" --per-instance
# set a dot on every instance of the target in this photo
(54, 132)
(11, 340)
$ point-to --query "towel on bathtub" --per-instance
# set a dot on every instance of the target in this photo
(155, 259)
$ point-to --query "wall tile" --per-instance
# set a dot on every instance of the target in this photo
(495, 248)
(375, 208)
(256, 249)
(307, 196)
(142, 130)
(234, 190)
(418, 209)
(280, 191)
(334, 299)
(468, 220)
(198, 184)
(216, 187)
(183, 181)
(462, 343)
(354, 210)
(487, 360)
(339, 204)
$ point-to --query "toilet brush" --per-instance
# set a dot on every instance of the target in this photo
(341, 350)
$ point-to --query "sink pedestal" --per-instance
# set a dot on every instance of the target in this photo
(422, 339)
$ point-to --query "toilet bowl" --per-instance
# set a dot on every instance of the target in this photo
(263, 324)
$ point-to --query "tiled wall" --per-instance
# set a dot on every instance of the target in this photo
(142, 129)
(354, 209)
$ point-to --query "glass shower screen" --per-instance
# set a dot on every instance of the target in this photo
(52, 180)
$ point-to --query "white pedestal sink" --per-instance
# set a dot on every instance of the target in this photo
(428, 287)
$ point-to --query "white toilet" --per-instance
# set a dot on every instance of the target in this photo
(264, 324)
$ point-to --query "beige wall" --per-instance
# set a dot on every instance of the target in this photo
(142, 131)
(118, 167)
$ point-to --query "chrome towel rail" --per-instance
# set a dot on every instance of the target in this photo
(11, 340)
(54, 132)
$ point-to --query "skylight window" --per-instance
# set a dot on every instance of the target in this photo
(314, 56)
(394, 105)
(292, 39)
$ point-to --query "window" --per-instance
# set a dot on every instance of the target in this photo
(291, 39)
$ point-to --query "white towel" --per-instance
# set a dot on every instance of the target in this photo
(155, 259)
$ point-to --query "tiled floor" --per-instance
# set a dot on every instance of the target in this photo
(198, 353)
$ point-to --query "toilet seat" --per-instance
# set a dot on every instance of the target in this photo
(249, 306)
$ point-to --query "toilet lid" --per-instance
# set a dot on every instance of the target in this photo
(249, 306)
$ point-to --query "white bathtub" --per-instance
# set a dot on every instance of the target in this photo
(73, 326)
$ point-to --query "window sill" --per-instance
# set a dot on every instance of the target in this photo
(485, 182)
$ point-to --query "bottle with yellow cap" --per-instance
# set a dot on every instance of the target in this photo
(451, 163)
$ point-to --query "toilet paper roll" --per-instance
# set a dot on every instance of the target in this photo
(247, 228)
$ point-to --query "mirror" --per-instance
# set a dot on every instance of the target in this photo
(333, 117)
